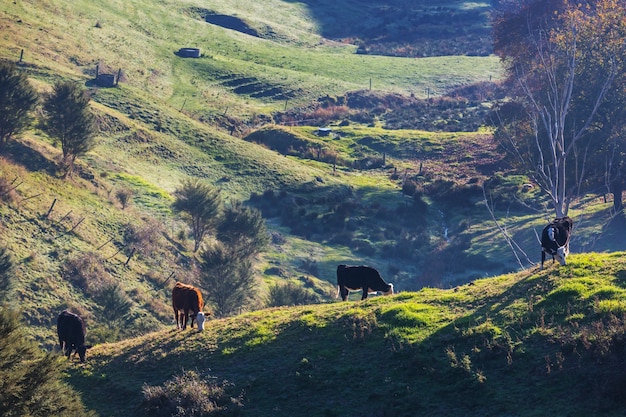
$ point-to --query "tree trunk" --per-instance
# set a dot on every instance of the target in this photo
(617, 190)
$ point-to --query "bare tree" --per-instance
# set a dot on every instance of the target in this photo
(550, 140)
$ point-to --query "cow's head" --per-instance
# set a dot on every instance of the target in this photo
(82, 351)
(561, 254)
(200, 318)
(389, 291)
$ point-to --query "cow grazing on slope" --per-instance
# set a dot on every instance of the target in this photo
(71, 331)
(364, 278)
(187, 301)
(555, 239)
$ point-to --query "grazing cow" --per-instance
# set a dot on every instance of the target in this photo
(555, 239)
(188, 301)
(364, 278)
(71, 331)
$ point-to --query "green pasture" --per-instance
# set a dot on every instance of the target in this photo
(497, 341)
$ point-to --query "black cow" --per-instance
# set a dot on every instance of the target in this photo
(364, 278)
(71, 331)
(555, 239)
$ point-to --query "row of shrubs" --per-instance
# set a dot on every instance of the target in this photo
(461, 110)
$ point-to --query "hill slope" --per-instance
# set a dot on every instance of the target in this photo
(327, 200)
(171, 118)
(526, 344)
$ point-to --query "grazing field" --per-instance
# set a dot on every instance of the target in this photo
(359, 131)
(484, 348)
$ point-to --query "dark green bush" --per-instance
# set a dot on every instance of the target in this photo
(6, 268)
(32, 382)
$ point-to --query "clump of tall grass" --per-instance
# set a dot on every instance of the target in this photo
(190, 395)
(87, 272)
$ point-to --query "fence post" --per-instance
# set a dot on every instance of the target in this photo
(51, 207)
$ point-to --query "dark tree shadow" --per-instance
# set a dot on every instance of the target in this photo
(29, 158)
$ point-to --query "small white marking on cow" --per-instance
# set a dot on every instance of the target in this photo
(390, 290)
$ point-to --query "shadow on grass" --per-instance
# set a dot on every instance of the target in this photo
(31, 159)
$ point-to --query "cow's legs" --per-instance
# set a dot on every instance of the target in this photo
(344, 293)
(543, 258)
(176, 318)
(364, 295)
(185, 318)
(65, 348)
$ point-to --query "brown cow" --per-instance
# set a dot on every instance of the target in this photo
(188, 301)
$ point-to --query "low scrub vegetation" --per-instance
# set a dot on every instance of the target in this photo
(190, 395)
(32, 380)
(464, 109)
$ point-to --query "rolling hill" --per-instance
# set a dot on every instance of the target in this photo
(397, 183)
(170, 118)
(525, 344)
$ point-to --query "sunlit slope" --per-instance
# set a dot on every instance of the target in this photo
(141, 37)
(528, 344)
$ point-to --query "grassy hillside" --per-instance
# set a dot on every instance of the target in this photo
(379, 189)
(327, 200)
(526, 344)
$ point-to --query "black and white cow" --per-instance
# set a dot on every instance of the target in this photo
(363, 278)
(71, 331)
(555, 239)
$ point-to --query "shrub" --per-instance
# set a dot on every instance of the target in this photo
(143, 239)
(124, 195)
(68, 120)
(115, 305)
(364, 247)
(201, 203)
(17, 98)
(7, 190)
(289, 294)
(309, 266)
(6, 268)
(188, 395)
(342, 238)
(230, 277)
(87, 272)
(369, 162)
(409, 187)
(32, 381)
